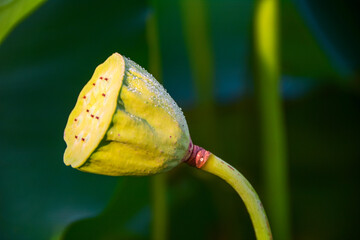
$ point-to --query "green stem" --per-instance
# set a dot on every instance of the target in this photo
(194, 15)
(252, 202)
(159, 207)
(158, 183)
(273, 143)
(153, 41)
(197, 36)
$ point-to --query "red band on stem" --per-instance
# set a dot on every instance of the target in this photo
(196, 156)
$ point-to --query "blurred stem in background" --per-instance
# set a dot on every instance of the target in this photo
(158, 182)
(154, 42)
(197, 37)
(272, 125)
(159, 207)
(195, 24)
(196, 29)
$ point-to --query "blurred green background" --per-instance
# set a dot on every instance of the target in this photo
(208, 65)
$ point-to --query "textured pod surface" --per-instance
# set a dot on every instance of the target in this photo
(147, 133)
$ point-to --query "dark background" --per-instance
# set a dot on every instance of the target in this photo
(45, 61)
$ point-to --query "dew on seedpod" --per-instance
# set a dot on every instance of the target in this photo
(162, 98)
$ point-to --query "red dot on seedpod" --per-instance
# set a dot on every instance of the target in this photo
(92, 115)
(84, 97)
(76, 137)
(106, 79)
(83, 139)
(97, 117)
(101, 77)
(103, 94)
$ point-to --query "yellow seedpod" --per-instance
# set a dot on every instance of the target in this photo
(125, 123)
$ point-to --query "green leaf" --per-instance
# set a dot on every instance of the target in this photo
(13, 11)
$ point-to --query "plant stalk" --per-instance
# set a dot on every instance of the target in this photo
(271, 116)
(159, 207)
(158, 182)
(196, 27)
(252, 202)
(194, 15)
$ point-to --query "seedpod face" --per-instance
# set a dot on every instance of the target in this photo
(93, 112)
(145, 131)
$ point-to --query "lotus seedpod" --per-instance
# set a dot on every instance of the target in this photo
(125, 123)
